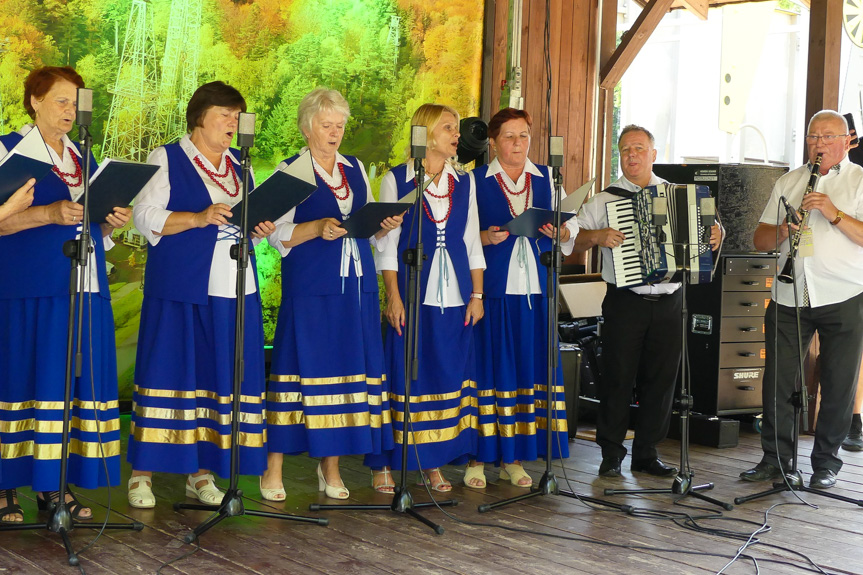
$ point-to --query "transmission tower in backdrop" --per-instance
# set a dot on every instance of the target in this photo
(179, 69)
(128, 132)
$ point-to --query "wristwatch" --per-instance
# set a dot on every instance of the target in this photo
(477, 295)
(839, 216)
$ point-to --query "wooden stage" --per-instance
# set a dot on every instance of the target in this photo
(589, 541)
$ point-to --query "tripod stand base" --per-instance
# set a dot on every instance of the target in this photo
(60, 522)
(795, 483)
(232, 506)
(548, 486)
(403, 502)
(682, 486)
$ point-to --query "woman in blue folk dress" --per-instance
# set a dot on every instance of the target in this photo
(327, 393)
(511, 342)
(34, 313)
(443, 399)
(184, 370)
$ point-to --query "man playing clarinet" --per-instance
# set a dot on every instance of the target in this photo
(828, 293)
(641, 335)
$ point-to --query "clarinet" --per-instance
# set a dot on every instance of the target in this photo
(794, 241)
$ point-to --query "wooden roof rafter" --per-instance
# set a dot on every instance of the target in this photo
(700, 7)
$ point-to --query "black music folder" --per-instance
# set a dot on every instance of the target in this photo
(114, 185)
(366, 221)
(29, 159)
(530, 220)
(278, 194)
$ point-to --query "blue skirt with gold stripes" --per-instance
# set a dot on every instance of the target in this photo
(443, 399)
(33, 336)
(327, 394)
(512, 359)
(184, 373)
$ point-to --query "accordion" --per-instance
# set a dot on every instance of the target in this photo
(653, 253)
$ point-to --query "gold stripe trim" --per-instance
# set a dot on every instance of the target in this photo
(57, 405)
(55, 426)
(437, 435)
(436, 397)
(327, 380)
(558, 405)
(437, 414)
(560, 424)
(49, 451)
(198, 394)
(197, 413)
(192, 436)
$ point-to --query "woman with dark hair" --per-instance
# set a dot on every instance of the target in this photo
(514, 408)
(327, 392)
(443, 399)
(34, 312)
(184, 370)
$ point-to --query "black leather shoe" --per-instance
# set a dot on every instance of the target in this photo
(822, 479)
(854, 442)
(761, 472)
(653, 467)
(610, 467)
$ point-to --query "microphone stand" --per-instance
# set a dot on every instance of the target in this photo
(682, 484)
(402, 499)
(548, 484)
(232, 502)
(78, 252)
(793, 479)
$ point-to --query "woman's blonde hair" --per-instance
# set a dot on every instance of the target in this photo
(320, 100)
(429, 115)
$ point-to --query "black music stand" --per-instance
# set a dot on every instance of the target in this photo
(682, 484)
(548, 484)
(232, 502)
(78, 252)
(402, 499)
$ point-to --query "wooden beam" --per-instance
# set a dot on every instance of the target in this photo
(632, 42)
(697, 7)
(825, 39)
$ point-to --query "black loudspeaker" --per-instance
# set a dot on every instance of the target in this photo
(741, 192)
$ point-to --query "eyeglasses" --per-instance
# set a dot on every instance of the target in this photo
(829, 139)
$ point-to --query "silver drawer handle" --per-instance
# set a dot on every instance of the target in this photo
(750, 283)
(747, 354)
(748, 304)
(748, 329)
(745, 388)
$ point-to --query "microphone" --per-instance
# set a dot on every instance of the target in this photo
(555, 151)
(660, 217)
(790, 212)
(246, 131)
(84, 112)
(708, 212)
(419, 136)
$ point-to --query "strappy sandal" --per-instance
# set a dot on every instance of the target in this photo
(11, 508)
(277, 494)
(475, 472)
(207, 493)
(49, 501)
(514, 472)
(141, 497)
(389, 486)
(441, 486)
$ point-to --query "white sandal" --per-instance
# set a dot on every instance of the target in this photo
(208, 493)
(141, 497)
(475, 472)
(278, 494)
(514, 472)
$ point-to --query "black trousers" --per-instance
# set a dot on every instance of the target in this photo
(840, 333)
(640, 349)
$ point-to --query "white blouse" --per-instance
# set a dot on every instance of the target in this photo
(66, 164)
(441, 272)
(150, 214)
(350, 252)
(522, 276)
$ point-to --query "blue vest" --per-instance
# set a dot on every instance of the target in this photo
(313, 267)
(178, 267)
(32, 262)
(453, 234)
(494, 211)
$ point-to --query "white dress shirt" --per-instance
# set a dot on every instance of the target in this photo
(150, 214)
(522, 275)
(593, 216)
(387, 257)
(834, 273)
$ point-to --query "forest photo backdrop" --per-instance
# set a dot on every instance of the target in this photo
(144, 58)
